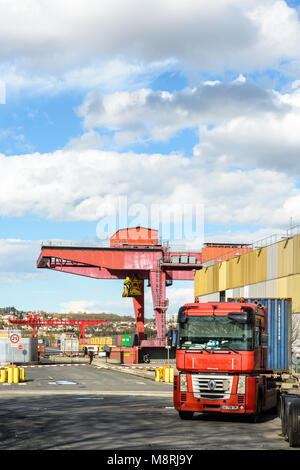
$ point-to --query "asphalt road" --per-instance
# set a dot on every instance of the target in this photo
(85, 408)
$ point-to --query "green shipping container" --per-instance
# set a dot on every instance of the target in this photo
(126, 340)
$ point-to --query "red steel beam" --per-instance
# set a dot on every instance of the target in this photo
(148, 263)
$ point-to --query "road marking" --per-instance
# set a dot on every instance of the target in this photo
(59, 391)
(142, 383)
(89, 398)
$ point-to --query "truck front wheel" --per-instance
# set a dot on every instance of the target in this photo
(186, 414)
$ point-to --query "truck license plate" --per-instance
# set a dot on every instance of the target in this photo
(230, 407)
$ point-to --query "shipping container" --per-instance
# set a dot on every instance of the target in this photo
(69, 345)
(125, 355)
(28, 354)
(126, 340)
(279, 331)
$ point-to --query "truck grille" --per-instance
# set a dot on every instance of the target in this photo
(211, 387)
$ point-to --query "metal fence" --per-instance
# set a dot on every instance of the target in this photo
(257, 245)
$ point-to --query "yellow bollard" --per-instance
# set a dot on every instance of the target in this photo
(172, 375)
(22, 374)
(10, 374)
(167, 374)
(3, 375)
(157, 375)
(16, 375)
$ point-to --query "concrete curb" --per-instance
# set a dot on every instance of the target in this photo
(147, 372)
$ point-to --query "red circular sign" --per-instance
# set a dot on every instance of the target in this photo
(14, 338)
(20, 347)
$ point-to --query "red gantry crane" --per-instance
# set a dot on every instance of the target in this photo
(35, 321)
(136, 255)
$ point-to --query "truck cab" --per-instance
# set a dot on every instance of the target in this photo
(221, 357)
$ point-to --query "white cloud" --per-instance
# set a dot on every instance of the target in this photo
(123, 307)
(19, 255)
(18, 261)
(86, 185)
(158, 115)
(77, 306)
(267, 140)
(66, 43)
(88, 140)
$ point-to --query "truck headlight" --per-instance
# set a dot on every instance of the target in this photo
(183, 383)
(241, 387)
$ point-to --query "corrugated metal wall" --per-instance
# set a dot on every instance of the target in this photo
(215, 297)
(272, 271)
(29, 353)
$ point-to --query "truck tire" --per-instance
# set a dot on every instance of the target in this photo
(186, 414)
(286, 401)
(293, 426)
(278, 404)
(255, 416)
(282, 415)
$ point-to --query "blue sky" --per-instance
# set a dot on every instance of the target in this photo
(176, 103)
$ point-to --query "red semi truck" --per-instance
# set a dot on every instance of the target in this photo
(222, 360)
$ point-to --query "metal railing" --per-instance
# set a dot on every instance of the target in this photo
(257, 245)
(187, 247)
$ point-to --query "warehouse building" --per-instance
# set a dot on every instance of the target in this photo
(260, 272)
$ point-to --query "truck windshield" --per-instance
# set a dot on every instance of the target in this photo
(215, 332)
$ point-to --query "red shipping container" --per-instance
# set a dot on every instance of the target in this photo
(129, 355)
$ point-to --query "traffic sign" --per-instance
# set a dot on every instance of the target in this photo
(14, 338)
(20, 347)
